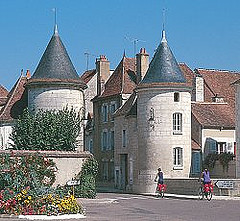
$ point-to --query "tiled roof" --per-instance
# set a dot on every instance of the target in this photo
(3, 91)
(195, 145)
(188, 74)
(55, 63)
(3, 95)
(219, 83)
(16, 101)
(123, 79)
(163, 68)
(87, 75)
(214, 114)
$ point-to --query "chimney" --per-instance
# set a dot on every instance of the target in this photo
(28, 74)
(142, 64)
(103, 73)
(199, 89)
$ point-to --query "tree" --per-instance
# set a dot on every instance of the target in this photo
(47, 130)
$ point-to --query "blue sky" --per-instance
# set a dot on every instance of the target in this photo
(201, 33)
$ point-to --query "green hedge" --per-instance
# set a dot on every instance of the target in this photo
(87, 177)
(47, 130)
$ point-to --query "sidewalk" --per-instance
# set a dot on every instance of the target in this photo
(167, 195)
(195, 197)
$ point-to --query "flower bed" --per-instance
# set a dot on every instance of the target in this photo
(25, 203)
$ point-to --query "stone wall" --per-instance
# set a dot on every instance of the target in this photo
(69, 164)
(182, 186)
(191, 187)
(218, 172)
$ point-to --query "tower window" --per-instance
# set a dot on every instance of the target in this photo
(176, 97)
(124, 138)
(177, 157)
(177, 123)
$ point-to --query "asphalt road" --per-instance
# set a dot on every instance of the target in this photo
(127, 207)
(111, 207)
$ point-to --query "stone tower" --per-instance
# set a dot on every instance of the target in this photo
(164, 121)
(55, 83)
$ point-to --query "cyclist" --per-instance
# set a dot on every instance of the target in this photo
(159, 176)
(207, 188)
(206, 176)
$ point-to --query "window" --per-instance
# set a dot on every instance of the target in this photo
(112, 109)
(177, 123)
(124, 141)
(104, 140)
(105, 170)
(221, 147)
(90, 146)
(177, 157)
(111, 140)
(176, 97)
(104, 113)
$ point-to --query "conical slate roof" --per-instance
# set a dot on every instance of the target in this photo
(55, 62)
(163, 67)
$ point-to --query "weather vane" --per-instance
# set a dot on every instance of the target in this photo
(55, 19)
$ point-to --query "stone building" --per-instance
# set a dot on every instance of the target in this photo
(162, 124)
(173, 119)
(95, 80)
(115, 92)
(213, 115)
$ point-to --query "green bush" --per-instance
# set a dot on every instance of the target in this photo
(210, 160)
(87, 177)
(224, 159)
(46, 130)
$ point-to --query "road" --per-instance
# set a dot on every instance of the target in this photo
(128, 207)
(114, 207)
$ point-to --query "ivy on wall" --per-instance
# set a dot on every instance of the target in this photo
(224, 159)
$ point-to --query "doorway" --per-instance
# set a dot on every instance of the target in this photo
(123, 171)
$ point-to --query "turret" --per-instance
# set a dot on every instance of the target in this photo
(163, 119)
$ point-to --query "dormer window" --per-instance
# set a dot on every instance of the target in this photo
(218, 99)
(176, 97)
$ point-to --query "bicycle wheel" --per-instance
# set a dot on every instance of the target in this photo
(162, 193)
(209, 196)
(200, 193)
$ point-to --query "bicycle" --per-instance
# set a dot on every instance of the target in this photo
(206, 191)
(161, 189)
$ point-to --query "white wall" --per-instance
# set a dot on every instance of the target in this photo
(54, 98)
(156, 145)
